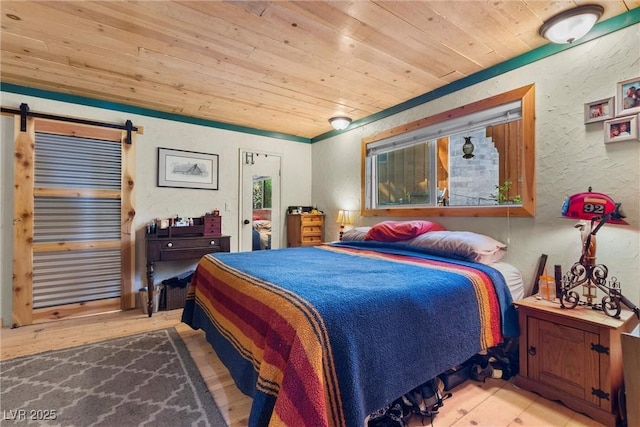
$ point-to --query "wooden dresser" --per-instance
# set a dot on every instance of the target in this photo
(182, 243)
(573, 355)
(304, 229)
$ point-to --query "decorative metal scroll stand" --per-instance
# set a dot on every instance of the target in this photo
(591, 275)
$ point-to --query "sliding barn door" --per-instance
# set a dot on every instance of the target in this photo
(73, 234)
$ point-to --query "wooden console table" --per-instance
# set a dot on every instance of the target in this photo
(179, 243)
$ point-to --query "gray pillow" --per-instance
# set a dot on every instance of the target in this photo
(465, 245)
(355, 234)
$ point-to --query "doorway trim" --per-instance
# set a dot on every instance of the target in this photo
(244, 154)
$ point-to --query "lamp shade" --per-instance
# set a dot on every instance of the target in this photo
(343, 217)
(592, 206)
(340, 122)
(572, 24)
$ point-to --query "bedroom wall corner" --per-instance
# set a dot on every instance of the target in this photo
(152, 201)
(6, 215)
(570, 157)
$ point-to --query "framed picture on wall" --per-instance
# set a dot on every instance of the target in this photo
(621, 129)
(598, 111)
(187, 169)
(628, 96)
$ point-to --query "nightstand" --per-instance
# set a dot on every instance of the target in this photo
(573, 355)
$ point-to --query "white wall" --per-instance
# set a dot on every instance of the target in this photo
(6, 216)
(570, 157)
(152, 201)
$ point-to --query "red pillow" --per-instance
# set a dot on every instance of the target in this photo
(393, 231)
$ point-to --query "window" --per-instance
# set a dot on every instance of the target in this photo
(468, 161)
(401, 176)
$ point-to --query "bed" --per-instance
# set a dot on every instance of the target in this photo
(261, 234)
(326, 335)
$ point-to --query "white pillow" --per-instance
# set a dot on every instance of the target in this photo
(512, 277)
(464, 245)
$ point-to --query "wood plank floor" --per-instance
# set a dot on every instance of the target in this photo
(495, 403)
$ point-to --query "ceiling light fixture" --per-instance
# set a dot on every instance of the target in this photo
(340, 122)
(572, 24)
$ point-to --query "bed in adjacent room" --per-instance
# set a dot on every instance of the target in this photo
(261, 223)
(262, 234)
(325, 335)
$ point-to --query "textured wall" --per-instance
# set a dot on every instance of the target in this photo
(6, 217)
(570, 156)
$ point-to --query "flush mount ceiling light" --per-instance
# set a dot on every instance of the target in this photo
(340, 122)
(570, 25)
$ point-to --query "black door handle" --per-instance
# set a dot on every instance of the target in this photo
(246, 221)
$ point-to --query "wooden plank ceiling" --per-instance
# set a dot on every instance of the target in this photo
(278, 66)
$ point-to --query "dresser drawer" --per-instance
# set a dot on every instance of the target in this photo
(187, 253)
(312, 220)
(173, 244)
(212, 225)
(312, 229)
(169, 249)
(311, 240)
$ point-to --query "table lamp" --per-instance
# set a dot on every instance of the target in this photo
(343, 218)
(593, 210)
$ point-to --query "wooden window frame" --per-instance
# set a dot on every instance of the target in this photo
(526, 95)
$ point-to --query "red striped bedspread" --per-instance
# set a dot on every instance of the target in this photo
(322, 336)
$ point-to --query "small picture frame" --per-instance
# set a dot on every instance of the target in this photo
(621, 129)
(600, 110)
(628, 96)
(187, 169)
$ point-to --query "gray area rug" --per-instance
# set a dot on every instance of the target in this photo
(141, 380)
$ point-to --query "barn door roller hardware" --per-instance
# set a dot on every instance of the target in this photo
(24, 112)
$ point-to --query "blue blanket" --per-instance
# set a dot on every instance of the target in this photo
(329, 334)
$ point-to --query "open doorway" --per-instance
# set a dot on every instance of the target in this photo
(260, 224)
